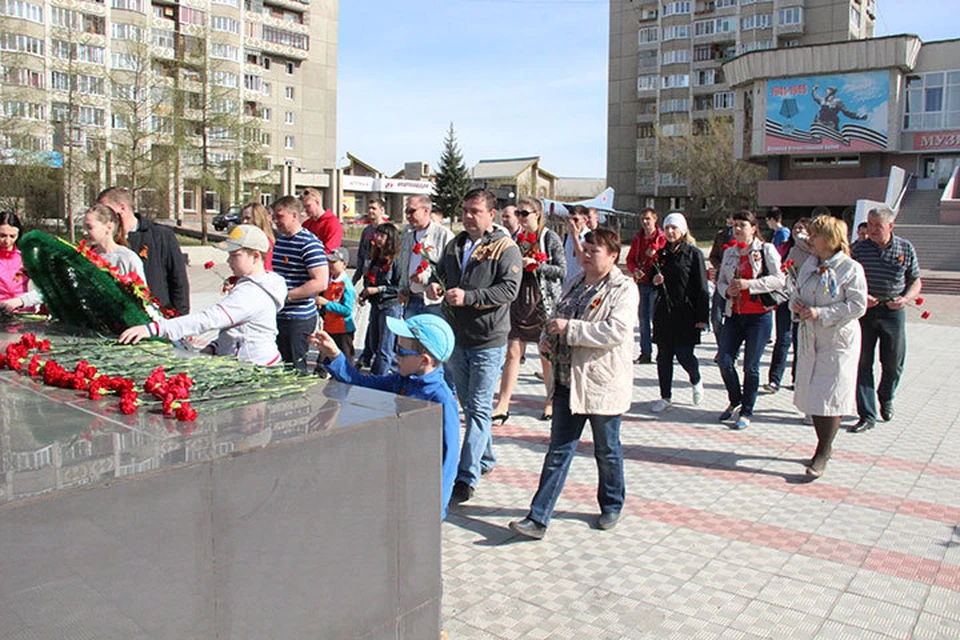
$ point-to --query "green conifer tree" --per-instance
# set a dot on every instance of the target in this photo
(453, 179)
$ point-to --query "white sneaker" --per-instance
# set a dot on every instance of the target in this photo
(698, 392)
(660, 405)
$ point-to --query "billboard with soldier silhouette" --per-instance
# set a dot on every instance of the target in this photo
(831, 113)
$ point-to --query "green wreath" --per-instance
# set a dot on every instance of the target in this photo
(75, 290)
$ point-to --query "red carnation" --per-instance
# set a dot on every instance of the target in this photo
(417, 248)
(208, 264)
(919, 301)
(925, 315)
(423, 266)
(186, 413)
(741, 245)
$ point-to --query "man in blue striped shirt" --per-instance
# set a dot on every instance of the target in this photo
(893, 282)
(301, 259)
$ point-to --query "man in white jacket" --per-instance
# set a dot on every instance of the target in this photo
(246, 318)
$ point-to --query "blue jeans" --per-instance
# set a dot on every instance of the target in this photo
(687, 360)
(886, 326)
(475, 372)
(415, 306)
(648, 297)
(384, 342)
(292, 341)
(565, 431)
(750, 330)
(781, 348)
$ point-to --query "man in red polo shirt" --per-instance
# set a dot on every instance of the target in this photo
(640, 260)
(322, 223)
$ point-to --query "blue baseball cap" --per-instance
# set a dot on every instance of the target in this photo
(431, 331)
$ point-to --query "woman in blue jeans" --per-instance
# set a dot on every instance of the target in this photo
(589, 339)
(749, 268)
(381, 282)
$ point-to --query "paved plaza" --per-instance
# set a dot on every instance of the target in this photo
(722, 536)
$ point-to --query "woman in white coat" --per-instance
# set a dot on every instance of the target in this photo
(830, 296)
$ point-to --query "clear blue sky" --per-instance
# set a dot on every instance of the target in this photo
(516, 77)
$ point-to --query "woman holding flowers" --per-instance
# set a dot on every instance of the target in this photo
(381, 283)
(682, 308)
(544, 268)
(13, 280)
(830, 297)
(749, 272)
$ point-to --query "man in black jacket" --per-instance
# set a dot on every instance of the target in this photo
(480, 272)
(157, 246)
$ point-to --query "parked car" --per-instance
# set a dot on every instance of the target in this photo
(224, 221)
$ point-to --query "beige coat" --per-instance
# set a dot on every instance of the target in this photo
(601, 354)
(828, 348)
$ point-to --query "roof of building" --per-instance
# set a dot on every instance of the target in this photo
(503, 167)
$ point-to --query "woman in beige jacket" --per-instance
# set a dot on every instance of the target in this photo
(590, 342)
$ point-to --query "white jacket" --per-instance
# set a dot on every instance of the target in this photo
(246, 318)
(828, 348)
(760, 252)
(601, 354)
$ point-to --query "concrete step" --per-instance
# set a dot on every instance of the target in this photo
(938, 246)
(943, 286)
(920, 207)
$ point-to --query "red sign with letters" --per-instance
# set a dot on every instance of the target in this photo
(936, 140)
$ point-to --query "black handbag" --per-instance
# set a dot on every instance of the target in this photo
(772, 298)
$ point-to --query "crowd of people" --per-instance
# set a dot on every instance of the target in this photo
(451, 315)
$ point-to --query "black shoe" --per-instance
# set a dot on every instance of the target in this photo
(608, 520)
(501, 417)
(863, 424)
(886, 411)
(529, 528)
(728, 412)
(546, 417)
(643, 358)
(461, 492)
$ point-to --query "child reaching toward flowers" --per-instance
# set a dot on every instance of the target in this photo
(246, 318)
(424, 343)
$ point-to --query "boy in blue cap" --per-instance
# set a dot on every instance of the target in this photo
(424, 343)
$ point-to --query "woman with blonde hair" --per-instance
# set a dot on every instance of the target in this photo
(830, 297)
(544, 268)
(256, 214)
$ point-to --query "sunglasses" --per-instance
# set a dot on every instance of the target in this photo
(411, 209)
(406, 352)
(523, 213)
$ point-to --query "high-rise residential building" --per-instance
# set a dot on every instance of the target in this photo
(196, 103)
(665, 73)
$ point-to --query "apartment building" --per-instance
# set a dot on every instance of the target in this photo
(135, 89)
(666, 75)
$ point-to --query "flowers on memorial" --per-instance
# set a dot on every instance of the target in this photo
(131, 282)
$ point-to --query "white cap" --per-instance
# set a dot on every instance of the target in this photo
(245, 236)
(677, 220)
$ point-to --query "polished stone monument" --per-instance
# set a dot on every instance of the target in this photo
(312, 516)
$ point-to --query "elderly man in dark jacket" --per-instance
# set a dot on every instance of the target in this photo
(479, 276)
(157, 246)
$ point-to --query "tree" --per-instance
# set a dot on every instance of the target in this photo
(705, 162)
(453, 179)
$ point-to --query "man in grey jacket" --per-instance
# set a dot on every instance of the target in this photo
(421, 248)
(479, 276)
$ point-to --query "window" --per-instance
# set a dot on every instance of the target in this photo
(229, 3)
(676, 8)
(647, 83)
(756, 46)
(286, 38)
(289, 117)
(290, 68)
(932, 101)
(211, 201)
(855, 17)
(675, 129)
(266, 63)
(90, 85)
(124, 61)
(197, 18)
(127, 92)
(223, 105)
(128, 5)
(22, 43)
(161, 124)
(647, 59)
(723, 100)
(224, 52)
(790, 15)
(227, 25)
(707, 77)
(265, 88)
(288, 93)
(77, 21)
(676, 32)
(123, 31)
(677, 56)
(288, 142)
(703, 52)
(726, 25)
(648, 35)
(24, 110)
(704, 27)
(265, 114)
(23, 77)
(757, 21)
(722, 4)
(252, 82)
(676, 80)
(678, 105)
(226, 79)
(21, 9)
(646, 131)
(189, 202)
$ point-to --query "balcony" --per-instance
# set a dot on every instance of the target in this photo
(784, 29)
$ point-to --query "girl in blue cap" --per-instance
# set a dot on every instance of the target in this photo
(424, 343)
